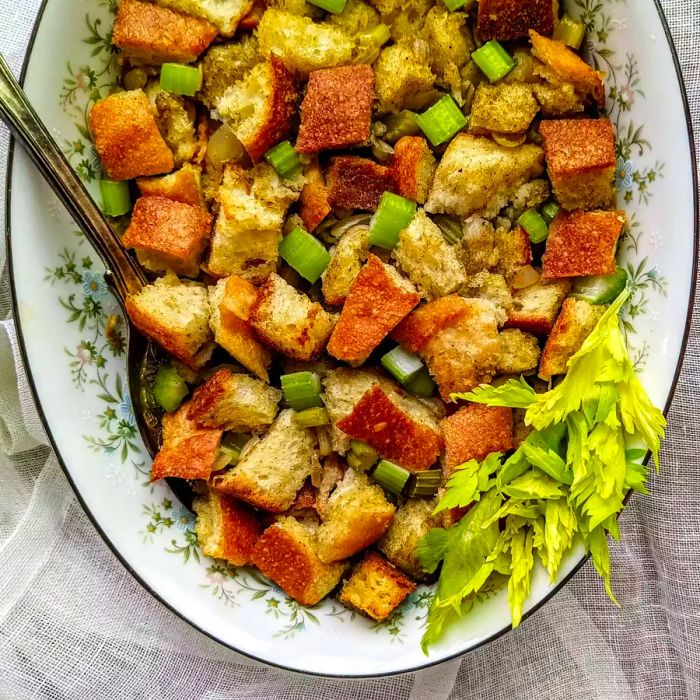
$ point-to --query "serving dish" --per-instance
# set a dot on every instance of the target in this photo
(73, 338)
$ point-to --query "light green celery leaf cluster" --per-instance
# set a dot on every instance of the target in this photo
(468, 482)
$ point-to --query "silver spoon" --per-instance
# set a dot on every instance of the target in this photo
(123, 274)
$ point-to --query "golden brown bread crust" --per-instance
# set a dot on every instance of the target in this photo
(181, 186)
(337, 109)
(582, 243)
(314, 206)
(475, 431)
(535, 308)
(126, 137)
(157, 35)
(577, 145)
(363, 529)
(357, 183)
(376, 587)
(511, 19)
(373, 308)
(396, 436)
(412, 168)
(514, 251)
(173, 234)
(252, 19)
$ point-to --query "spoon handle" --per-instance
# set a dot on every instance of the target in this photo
(123, 273)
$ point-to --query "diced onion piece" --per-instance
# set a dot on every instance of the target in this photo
(169, 388)
(535, 225)
(224, 147)
(422, 384)
(333, 6)
(402, 364)
(305, 254)
(180, 79)
(601, 289)
(400, 125)
(451, 228)
(311, 417)
(425, 484)
(393, 215)
(116, 199)
(285, 160)
(509, 140)
(525, 277)
(549, 211)
(302, 390)
(391, 476)
(344, 225)
(494, 61)
(442, 121)
(570, 32)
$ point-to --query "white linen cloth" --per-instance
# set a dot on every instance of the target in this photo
(75, 624)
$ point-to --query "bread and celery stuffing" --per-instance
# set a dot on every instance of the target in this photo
(382, 240)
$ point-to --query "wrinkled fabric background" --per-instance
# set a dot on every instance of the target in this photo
(75, 624)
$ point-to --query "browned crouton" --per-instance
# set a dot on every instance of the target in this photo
(394, 433)
(357, 183)
(514, 250)
(347, 258)
(580, 156)
(569, 67)
(168, 235)
(252, 19)
(157, 35)
(574, 324)
(519, 352)
(474, 432)
(582, 243)
(234, 402)
(413, 168)
(493, 287)
(231, 301)
(505, 108)
(224, 14)
(376, 588)
(271, 472)
(184, 185)
(337, 109)
(512, 19)
(402, 76)
(286, 554)
(535, 308)
(260, 107)
(314, 206)
(226, 64)
(379, 298)
(356, 515)
(478, 248)
(126, 137)
(226, 528)
(289, 321)
(187, 452)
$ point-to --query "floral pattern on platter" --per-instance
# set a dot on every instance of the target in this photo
(96, 361)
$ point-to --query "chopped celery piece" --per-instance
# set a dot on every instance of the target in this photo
(451, 228)
(169, 388)
(402, 363)
(570, 32)
(333, 6)
(305, 254)
(426, 483)
(312, 417)
(393, 215)
(363, 450)
(180, 79)
(230, 449)
(601, 289)
(391, 476)
(549, 211)
(116, 199)
(285, 160)
(441, 121)
(456, 4)
(302, 390)
(494, 61)
(399, 125)
(535, 225)
(422, 384)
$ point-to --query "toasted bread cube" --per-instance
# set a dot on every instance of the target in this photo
(574, 324)
(226, 528)
(337, 109)
(356, 515)
(184, 185)
(505, 108)
(231, 301)
(531, 194)
(289, 321)
(176, 121)
(226, 64)
(428, 260)
(357, 16)
(493, 287)
(535, 308)
(449, 43)
(412, 521)
(400, 75)
(248, 229)
(413, 168)
(224, 14)
(514, 250)
(357, 183)
(580, 156)
(302, 44)
(379, 298)
(520, 352)
(478, 249)
(582, 243)
(393, 432)
(569, 67)
(314, 206)
(259, 108)
(187, 452)
(376, 588)
(168, 235)
(126, 137)
(157, 35)
(176, 316)
(556, 98)
(347, 258)
(477, 175)
(512, 19)
(270, 474)
(286, 554)
(234, 402)
(475, 431)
